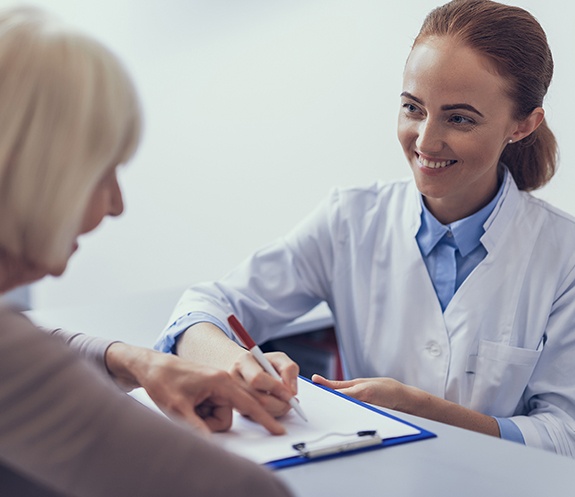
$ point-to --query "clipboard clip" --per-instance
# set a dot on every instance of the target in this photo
(347, 442)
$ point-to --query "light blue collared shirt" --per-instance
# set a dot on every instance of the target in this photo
(451, 252)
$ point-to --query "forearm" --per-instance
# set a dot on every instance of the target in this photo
(430, 407)
(205, 343)
(392, 394)
(90, 347)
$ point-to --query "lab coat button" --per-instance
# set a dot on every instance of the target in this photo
(434, 349)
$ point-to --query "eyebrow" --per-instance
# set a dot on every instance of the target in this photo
(468, 107)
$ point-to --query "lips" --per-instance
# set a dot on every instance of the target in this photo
(434, 164)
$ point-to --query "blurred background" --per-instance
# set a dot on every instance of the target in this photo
(254, 110)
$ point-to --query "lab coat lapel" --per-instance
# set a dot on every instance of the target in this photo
(423, 336)
(494, 284)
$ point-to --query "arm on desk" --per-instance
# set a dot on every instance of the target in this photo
(389, 393)
(202, 395)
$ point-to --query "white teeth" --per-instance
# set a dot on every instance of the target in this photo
(435, 165)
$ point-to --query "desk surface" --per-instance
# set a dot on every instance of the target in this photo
(456, 463)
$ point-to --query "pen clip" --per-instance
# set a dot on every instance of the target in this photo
(347, 442)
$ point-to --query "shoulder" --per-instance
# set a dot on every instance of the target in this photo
(374, 195)
(367, 211)
(553, 218)
(12, 321)
(20, 338)
(527, 213)
(552, 232)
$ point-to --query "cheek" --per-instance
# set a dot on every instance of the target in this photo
(94, 214)
(406, 133)
(481, 149)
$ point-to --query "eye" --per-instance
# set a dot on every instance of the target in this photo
(409, 107)
(412, 111)
(458, 119)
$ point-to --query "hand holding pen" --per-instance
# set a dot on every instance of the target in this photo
(259, 356)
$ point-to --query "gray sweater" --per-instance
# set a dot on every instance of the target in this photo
(67, 430)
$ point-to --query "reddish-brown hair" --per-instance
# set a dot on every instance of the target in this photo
(514, 41)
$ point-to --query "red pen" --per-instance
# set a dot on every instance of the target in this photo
(259, 356)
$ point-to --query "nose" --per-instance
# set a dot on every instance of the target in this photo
(116, 199)
(430, 137)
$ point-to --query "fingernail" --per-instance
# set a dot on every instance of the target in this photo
(286, 396)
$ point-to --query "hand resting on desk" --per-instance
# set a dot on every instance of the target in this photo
(392, 394)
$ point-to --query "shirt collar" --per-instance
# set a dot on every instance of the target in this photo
(467, 232)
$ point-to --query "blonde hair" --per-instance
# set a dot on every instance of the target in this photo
(68, 113)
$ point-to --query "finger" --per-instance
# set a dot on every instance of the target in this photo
(351, 392)
(218, 418)
(195, 421)
(334, 384)
(272, 404)
(259, 381)
(204, 410)
(367, 396)
(247, 405)
(287, 369)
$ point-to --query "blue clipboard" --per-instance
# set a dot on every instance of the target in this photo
(361, 442)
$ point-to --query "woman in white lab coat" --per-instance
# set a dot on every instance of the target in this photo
(453, 292)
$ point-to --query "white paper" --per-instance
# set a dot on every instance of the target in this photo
(327, 414)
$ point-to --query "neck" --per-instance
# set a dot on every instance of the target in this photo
(450, 209)
(448, 212)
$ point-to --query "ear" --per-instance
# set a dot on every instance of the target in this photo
(529, 124)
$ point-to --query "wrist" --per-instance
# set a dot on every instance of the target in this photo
(236, 358)
(124, 363)
(415, 401)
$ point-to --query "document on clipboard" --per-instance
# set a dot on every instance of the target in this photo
(338, 425)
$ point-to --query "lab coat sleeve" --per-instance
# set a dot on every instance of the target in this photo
(279, 283)
(549, 398)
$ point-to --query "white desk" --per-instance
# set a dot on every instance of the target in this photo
(458, 463)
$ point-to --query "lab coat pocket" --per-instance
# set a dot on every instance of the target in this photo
(501, 374)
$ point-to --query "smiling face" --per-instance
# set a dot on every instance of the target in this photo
(454, 122)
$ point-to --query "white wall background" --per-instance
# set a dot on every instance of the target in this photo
(254, 110)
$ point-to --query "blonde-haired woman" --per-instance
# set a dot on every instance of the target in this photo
(69, 116)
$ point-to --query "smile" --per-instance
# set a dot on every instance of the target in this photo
(433, 164)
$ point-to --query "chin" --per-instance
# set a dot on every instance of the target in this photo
(430, 189)
(58, 270)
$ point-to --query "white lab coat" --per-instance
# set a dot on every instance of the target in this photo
(505, 345)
